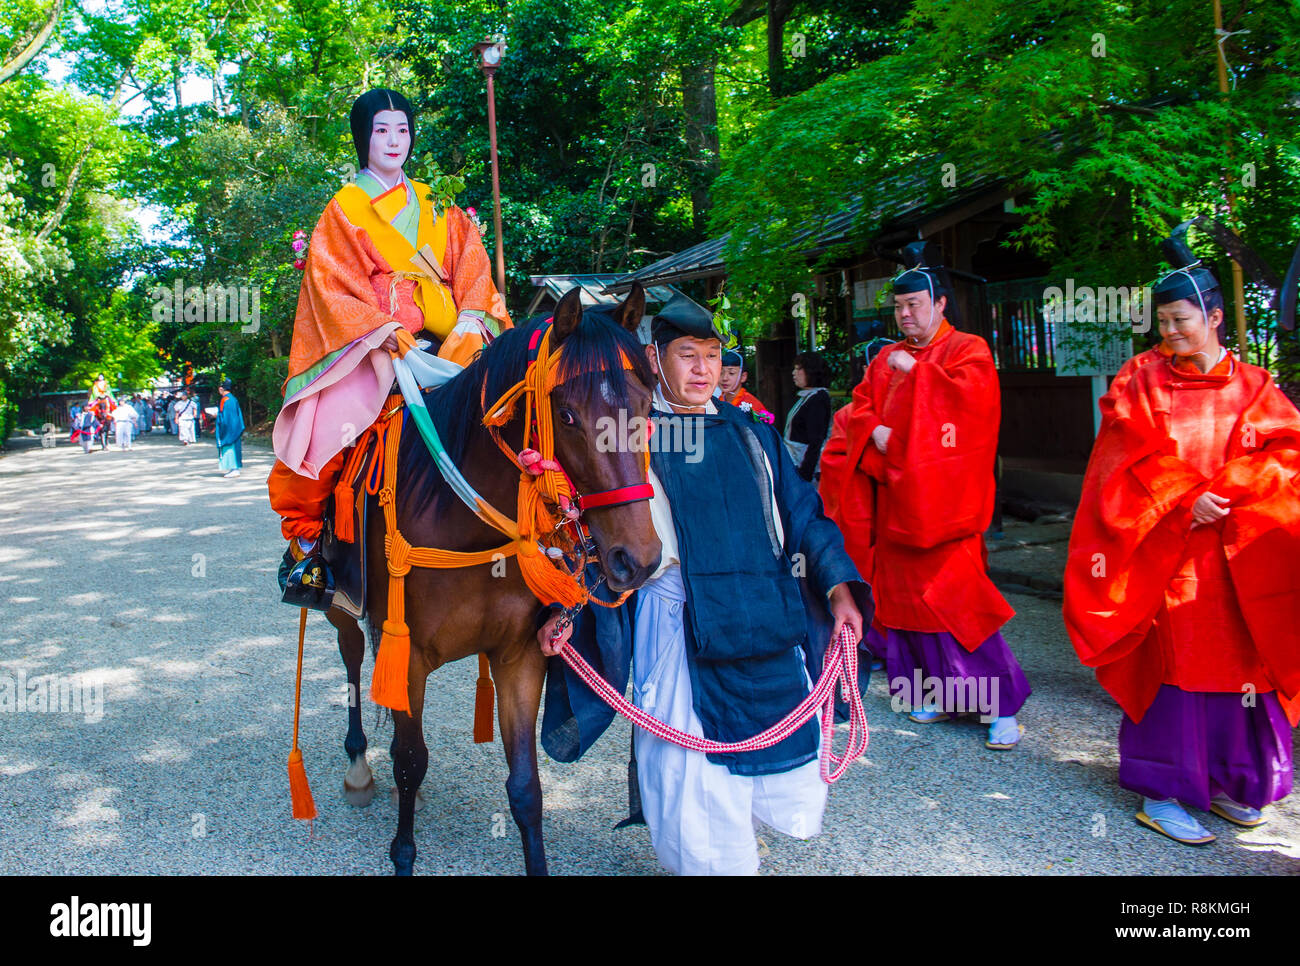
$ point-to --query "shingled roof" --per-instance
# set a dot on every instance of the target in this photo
(910, 199)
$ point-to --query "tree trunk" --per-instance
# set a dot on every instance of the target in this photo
(778, 12)
(218, 95)
(700, 104)
(20, 58)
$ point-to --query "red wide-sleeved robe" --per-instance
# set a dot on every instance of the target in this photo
(933, 488)
(1107, 402)
(852, 507)
(1152, 600)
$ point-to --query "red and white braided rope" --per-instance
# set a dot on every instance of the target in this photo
(840, 667)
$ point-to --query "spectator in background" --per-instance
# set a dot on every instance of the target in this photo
(144, 411)
(187, 415)
(229, 432)
(125, 419)
(809, 422)
(731, 384)
(173, 400)
(84, 428)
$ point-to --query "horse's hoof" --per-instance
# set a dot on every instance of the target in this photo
(394, 796)
(403, 857)
(636, 818)
(359, 797)
(359, 783)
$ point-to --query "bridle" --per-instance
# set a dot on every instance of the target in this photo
(540, 379)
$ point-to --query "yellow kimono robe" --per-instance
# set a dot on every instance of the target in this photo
(364, 277)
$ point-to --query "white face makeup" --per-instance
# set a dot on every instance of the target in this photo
(390, 143)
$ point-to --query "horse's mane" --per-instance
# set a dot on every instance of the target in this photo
(591, 355)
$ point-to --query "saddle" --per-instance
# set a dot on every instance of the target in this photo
(343, 538)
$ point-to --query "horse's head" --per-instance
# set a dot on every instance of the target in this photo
(600, 410)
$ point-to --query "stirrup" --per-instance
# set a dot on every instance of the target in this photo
(308, 582)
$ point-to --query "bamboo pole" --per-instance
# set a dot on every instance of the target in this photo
(1238, 284)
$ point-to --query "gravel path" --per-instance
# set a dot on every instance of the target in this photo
(149, 571)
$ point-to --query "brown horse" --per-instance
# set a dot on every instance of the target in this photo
(453, 614)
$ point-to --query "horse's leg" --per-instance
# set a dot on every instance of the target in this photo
(519, 689)
(410, 762)
(358, 781)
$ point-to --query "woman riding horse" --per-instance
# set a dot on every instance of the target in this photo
(383, 258)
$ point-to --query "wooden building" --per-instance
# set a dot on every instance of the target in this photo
(1047, 419)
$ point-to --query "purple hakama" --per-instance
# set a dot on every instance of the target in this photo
(1193, 745)
(988, 680)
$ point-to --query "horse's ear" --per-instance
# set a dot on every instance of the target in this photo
(629, 314)
(568, 315)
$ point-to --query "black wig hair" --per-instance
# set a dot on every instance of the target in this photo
(364, 109)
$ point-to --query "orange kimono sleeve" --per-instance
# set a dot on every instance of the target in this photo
(471, 272)
(1117, 385)
(939, 460)
(337, 303)
(864, 417)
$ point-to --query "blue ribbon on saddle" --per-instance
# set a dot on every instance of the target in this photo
(417, 370)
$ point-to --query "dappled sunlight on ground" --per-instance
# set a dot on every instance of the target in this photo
(153, 575)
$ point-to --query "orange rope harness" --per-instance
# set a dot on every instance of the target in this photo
(539, 525)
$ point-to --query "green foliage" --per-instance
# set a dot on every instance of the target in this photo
(1105, 116)
(29, 267)
(608, 153)
(443, 188)
(123, 344)
(8, 414)
(594, 159)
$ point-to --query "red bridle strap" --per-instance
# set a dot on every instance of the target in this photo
(616, 497)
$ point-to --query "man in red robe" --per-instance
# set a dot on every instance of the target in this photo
(921, 440)
(848, 493)
(1179, 587)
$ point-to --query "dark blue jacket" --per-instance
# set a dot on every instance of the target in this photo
(757, 613)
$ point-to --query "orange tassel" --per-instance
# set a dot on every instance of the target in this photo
(389, 685)
(484, 698)
(343, 509)
(304, 806)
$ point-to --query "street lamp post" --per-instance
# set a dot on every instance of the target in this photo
(489, 55)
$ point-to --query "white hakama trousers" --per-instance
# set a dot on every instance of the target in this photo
(701, 816)
(122, 430)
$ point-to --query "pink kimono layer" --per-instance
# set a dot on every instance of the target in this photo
(336, 407)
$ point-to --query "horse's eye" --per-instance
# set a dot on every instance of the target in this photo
(567, 417)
